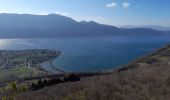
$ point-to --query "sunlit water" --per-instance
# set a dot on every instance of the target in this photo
(91, 54)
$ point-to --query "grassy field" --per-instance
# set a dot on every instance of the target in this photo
(18, 73)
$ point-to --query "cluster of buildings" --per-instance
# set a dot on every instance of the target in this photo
(10, 59)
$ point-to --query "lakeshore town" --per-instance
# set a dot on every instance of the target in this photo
(10, 59)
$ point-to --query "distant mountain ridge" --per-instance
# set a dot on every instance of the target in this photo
(155, 27)
(52, 25)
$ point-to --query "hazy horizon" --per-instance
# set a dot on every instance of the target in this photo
(110, 12)
(122, 26)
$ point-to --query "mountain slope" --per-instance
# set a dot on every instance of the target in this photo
(33, 26)
(163, 28)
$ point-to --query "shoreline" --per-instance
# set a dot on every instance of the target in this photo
(131, 65)
(55, 67)
(51, 68)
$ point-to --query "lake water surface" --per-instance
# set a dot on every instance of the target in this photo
(91, 54)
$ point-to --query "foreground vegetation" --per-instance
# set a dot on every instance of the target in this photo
(147, 78)
(10, 91)
(19, 73)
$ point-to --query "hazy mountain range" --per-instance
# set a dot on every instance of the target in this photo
(156, 27)
(34, 26)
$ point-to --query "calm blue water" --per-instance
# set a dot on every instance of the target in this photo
(91, 54)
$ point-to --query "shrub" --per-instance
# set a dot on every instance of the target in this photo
(71, 78)
(13, 86)
(4, 98)
(22, 88)
(52, 81)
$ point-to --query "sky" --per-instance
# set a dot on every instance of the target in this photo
(111, 12)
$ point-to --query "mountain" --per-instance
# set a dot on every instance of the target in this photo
(52, 25)
(155, 27)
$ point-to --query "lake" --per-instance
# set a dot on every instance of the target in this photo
(86, 54)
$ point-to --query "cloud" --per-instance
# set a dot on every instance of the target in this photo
(114, 4)
(126, 4)
(111, 5)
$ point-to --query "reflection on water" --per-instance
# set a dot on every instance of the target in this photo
(8, 43)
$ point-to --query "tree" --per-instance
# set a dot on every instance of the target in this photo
(13, 86)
